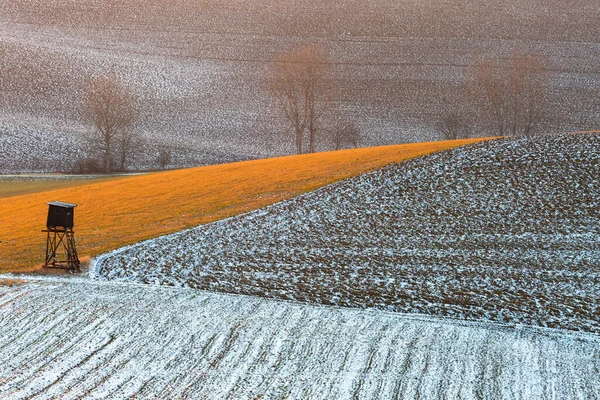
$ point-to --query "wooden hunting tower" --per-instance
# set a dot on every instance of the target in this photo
(60, 242)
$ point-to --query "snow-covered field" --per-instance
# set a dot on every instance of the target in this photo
(198, 70)
(507, 231)
(75, 338)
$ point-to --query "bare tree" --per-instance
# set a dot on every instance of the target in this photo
(164, 156)
(513, 92)
(344, 135)
(110, 107)
(454, 126)
(300, 83)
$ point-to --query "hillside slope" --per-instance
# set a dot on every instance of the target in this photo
(198, 70)
(506, 230)
(76, 339)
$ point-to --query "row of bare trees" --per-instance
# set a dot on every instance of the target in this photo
(300, 83)
(509, 95)
(514, 93)
(107, 105)
(111, 109)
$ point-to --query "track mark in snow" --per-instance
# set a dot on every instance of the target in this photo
(191, 344)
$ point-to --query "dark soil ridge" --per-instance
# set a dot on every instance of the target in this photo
(507, 231)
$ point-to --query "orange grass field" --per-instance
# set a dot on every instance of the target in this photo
(121, 211)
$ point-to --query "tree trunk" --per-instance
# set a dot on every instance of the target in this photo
(311, 137)
(106, 154)
(299, 140)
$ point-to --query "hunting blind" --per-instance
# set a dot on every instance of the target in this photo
(60, 241)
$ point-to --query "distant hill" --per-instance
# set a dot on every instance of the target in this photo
(505, 230)
(198, 69)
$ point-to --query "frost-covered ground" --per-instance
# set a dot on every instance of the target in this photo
(506, 231)
(198, 69)
(73, 339)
